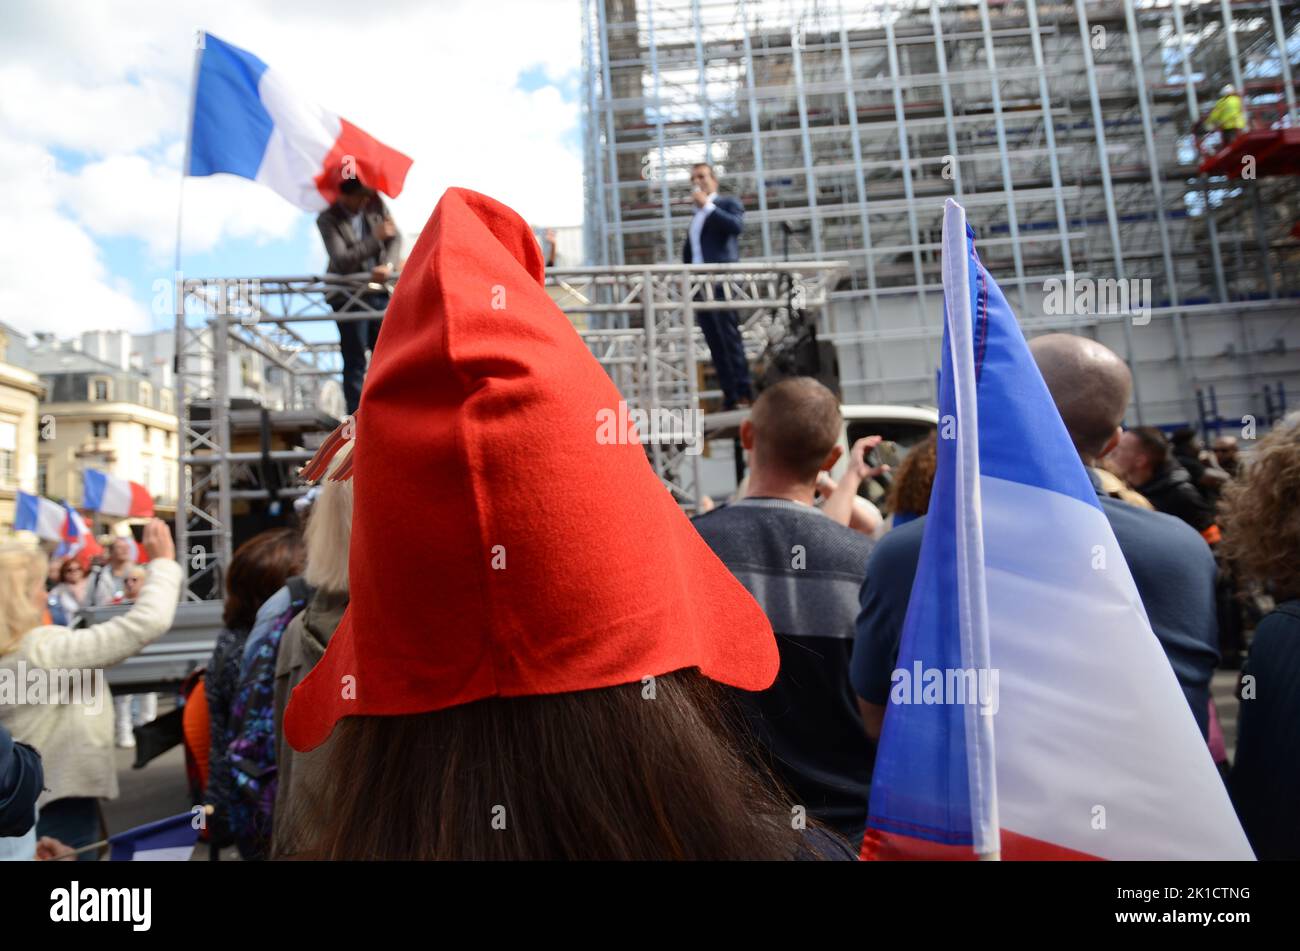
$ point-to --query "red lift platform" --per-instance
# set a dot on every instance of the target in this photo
(1276, 152)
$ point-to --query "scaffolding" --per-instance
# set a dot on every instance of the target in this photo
(638, 322)
(1065, 128)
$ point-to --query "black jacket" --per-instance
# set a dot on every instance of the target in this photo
(21, 781)
(352, 253)
(720, 236)
(1265, 778)
(1173, 492)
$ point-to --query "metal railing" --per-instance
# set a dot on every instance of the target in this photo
(639, 323)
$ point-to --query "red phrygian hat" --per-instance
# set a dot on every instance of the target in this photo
(558, 561)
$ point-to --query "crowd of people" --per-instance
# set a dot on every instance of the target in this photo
(468, 654)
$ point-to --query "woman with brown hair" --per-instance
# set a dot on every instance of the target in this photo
(72, 592)
(594, 775)
(909, 493)
(526, 667)
(1260, 519)
(258, 569)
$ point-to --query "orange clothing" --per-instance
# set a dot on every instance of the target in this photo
(195, 726)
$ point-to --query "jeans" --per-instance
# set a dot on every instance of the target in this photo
(355, 338)
(74, 821)
(132, 710)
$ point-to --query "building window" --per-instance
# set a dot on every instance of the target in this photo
(42, 477)
(165, 401)
(99, 429)
(8, 452)
(101, 389)
(146, 394)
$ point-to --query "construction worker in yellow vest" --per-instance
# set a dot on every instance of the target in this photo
(1228, 115)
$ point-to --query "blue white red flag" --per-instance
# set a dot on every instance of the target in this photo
(110, 495)
(250, 122)
(167, 840)
(1084, 747)
(45, 519)
(78, 540)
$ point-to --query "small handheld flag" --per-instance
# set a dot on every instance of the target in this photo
(248, 121)
(40, 516)
(167, 840)
(78, 540)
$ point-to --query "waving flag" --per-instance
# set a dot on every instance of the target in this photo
(138, 554)
(1086, 747)
(110, 495)
(248, 121)
(43, 518)
(167, 840)
(78, 540)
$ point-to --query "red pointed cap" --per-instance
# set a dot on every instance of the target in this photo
(500, 546)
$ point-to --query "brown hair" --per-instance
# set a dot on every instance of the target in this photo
(595, 774)
(259, 569)
(1153, 444)
(910, 490)
(796, 423)
(1259, 513)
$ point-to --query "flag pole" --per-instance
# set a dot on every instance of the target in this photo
(185, 161)
(181, 517)
(972, 603)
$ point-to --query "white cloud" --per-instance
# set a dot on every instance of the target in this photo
(130, 196)
(54, 278)
(107, 85)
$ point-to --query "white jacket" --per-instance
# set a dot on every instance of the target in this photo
(76, 739)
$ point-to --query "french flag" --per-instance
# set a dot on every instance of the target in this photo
(167, 840)
(1096, 754)
(78, 540)
(43, 518)
(138, 554)
(110, 495)
(248, 121)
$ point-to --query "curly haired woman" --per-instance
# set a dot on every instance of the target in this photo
(1261, 537)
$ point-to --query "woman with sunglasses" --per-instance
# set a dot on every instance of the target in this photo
(69, 596)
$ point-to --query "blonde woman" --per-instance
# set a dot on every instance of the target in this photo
(329, 538)
(72, 724)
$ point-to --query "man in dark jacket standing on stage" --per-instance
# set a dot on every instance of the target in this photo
(714, 238)
(359, 236)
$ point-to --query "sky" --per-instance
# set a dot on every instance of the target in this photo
(94, 101)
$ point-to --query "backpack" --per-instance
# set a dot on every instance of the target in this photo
(251, 747)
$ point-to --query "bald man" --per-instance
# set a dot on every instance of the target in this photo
(1170, 563)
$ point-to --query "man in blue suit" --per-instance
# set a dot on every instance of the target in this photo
(714, 238)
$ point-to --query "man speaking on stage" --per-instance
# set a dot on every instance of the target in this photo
(714, 238)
